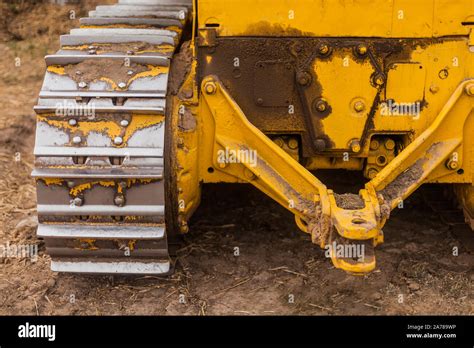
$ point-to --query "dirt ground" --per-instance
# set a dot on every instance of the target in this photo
(278, 270)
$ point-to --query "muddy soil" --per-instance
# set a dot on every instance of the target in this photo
(244, 254)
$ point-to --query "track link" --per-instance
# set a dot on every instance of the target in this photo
(99, 152)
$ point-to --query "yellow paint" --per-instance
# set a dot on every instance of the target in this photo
(49, 181)
(77, 190)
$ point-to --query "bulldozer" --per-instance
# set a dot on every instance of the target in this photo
(150, 100)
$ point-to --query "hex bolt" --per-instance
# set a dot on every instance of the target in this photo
(452, 164)
(279, 141)
(470, 90)
(379, 80)
(293, 143)
(78, 201)
(304, 78)
(210, 88)
(118, 141)
(124, 123)
(374, 144)
(390, 144)
(372, 173)
(359, 106)
(122, 85)
(362, 50)
(82, 84)
(77, 140)
(72, 122)
(355, 145)
(320, 105)
(323, 49)
(119, 200)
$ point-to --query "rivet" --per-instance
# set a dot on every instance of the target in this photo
(434, 89)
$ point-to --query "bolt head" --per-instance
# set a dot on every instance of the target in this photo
(304, 78)
(78, 202)
(293, 144)
(374, 144)
(210, 88)
(362, 50)
(320, 105)
(77, 140)
(122, 85)
(118, 141)
(72, 122)
(434, 89)
(359, 106)
(324, 49)
(390, 144)
(470, 89)
(355, 146)
(124, 123)
(379, 80)
(119, 200)
(320, 144)
(82, 84)
(280, 142)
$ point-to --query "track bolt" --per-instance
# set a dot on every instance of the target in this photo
(119, 200)
(452, 164)
(118, 141)
(320, 105)
(77, 202)
(92, 51)
(355, 145)
(124, 123)
(362, 50)
(470, 90)
(304, 78)
(323, 49)
(130, 72)
(72, 122)
(71, 184)
(82, 84)
(390, 144)
(122, 85)
(77, 140)
(293, 144)
(210, 88)
(359, 106)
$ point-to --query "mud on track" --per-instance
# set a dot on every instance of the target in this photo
(277, 263)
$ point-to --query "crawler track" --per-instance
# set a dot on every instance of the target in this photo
(100, 140)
